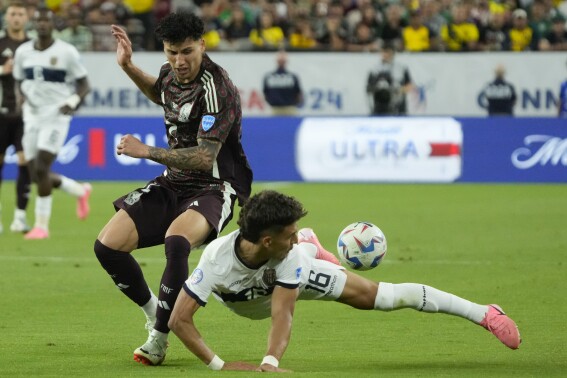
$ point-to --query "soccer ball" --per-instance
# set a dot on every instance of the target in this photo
(361, 246)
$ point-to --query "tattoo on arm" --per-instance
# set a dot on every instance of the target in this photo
(200, 157)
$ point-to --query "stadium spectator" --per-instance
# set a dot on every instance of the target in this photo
(283, 265)
(76, 33)
(556, 38)
(363, 39)
(500, 95)
(266, 35)
(238, 29)
(431, 16)
(562, 103)
(282, 89)
(141, 10)
(53, 82)
(393, 26)
(460, 34)
(417, 37)
(520, 34)
(214, 34)
(540, 20)
(494, 36)
(11, 122)
(388, 85)
(331, 29)
(302, 35)
(206, 173)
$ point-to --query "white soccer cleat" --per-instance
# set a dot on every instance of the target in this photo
(20, 225)
(152, 353)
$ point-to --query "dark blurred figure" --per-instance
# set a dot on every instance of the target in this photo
(500, 95)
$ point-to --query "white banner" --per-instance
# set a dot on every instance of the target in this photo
(379, 149)
(335, 83)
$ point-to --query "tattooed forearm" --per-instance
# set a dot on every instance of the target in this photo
(200, 157)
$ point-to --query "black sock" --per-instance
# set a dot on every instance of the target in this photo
(176, 271)
(23, 187)
(125, 272)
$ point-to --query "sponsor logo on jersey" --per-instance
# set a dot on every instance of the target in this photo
(53, 60)
(7, 53)
(132, 198)
(196, 276)
(208, 122)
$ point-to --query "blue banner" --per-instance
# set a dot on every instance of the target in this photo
(530, 150)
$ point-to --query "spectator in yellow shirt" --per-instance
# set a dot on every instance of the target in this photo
(267, 35)
(520, 35)
(460, 34)
(416, 36)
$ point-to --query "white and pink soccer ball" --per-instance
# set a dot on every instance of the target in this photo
(361, 246)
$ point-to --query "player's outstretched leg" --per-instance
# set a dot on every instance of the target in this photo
(83, 208)
(501, 326)
(307, 235)
(428, 299)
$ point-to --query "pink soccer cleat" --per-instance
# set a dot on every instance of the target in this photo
(83, 208)
(37, 233)
(501, 326)
(306, 235)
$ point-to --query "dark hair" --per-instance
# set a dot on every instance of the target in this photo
(177, 27)
(268, 210)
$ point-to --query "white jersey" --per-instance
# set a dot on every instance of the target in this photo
(49, 76)
(248, 291)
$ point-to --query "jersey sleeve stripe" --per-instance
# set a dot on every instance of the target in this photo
(193, 295)
(210, 92)
(287, 285)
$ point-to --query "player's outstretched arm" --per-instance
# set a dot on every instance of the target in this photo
(143, 81)
(182, 325)
(201, 157)
(283, 306)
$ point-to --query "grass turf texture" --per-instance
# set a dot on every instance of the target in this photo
(62, 316)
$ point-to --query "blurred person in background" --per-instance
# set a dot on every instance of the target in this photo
(207, 173)
(266, 35)
(393, 26)
(238, 29)
(52, 83)
(302, 35)
(494, 36)
(76, 33)
(500, 94)
(143, 11)
(556, 38)
(11, 122)
(540, 20)
(282, 89)
(460, 34)
(417, 37)
(520, 35)
(388, 85)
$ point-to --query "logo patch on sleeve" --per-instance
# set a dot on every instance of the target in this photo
(207, 122)
(298, 272)
(197, 276)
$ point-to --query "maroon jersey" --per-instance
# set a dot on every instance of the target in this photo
(207, 108)
(8, 47)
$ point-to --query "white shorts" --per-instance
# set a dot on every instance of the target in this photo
(47, 134)
(323, 281)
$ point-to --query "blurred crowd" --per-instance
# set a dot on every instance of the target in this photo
(323, 25)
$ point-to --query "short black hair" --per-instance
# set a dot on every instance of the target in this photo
(268, 211)
(177, 27)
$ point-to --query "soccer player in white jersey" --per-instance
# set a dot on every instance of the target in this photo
(263, 268)
(52, 82)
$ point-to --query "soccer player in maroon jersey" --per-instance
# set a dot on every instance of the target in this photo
(11, 123)
(207, 172)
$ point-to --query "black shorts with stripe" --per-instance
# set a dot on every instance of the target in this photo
(155, 206)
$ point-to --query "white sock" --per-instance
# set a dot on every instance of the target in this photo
(159, 336)
(428, 299)
(43, 211)
(20, 214)
(150, 308)
(72, 187)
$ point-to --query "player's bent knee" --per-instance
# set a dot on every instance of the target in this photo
(177, 246)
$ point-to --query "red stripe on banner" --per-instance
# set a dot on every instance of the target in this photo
(97, 148)
(445, 149)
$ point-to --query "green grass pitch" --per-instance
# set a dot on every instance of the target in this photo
(61, 315)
